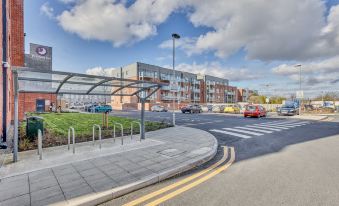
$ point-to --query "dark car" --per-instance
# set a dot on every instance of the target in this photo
(254, 111)
(191, 108)
(288, 109)
(90, 108)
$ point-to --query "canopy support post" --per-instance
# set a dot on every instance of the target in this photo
(16, 117)
(142, 132)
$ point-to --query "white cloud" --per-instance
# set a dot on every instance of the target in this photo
(186, 44)
(316, 72)
(100, 71)
(266, 30)
(110, 20)
(217, 70)
(47, 10)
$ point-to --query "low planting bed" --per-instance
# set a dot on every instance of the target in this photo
(56, 128)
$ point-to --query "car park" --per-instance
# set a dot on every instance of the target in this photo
(195, 108)
(158, 108)
(205, 108)
(103, 108)
(254, 111)
(232, 108)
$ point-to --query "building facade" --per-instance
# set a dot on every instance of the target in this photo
(12, 54)
(183, 88)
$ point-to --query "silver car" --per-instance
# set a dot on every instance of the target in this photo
(158, 108)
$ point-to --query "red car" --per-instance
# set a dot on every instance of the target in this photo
(255, 111)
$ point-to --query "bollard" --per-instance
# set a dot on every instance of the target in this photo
(132, 128)
(71, 129)
(97, 126)
(40, 144)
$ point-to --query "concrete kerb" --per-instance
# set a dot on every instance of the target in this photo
(101, 197)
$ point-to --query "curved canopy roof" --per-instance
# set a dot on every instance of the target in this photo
(57, 82)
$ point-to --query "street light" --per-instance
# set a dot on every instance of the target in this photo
(300, 93)
(174, 36)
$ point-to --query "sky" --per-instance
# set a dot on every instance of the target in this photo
(254, 44)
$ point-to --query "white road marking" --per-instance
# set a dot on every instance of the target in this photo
(231, 133)
(256, 130)
(244, 131)
(272, 126)
(263, 127)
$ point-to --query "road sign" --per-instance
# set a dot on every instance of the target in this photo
(300, 94)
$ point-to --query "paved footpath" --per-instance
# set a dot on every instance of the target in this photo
(106, 173)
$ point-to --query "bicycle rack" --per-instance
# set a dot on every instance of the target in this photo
(122, 132)
(40, 144)
(71, 129)
(97, 126)
(135, 122)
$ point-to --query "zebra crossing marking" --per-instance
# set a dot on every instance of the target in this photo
(231, 133)
(244, 131)
(248, 131)
(256, 130)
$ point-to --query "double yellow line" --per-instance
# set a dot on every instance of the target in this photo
(216, 170)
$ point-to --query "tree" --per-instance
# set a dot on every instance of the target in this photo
(329, 96)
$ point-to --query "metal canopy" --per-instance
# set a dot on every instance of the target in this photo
(57, 82)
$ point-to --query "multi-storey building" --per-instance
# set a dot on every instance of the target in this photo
(183, 88)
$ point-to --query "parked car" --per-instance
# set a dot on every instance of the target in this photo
(158, 108)
(191, 108)
(254, 111)
(216, 109)
(103, 108)
(288, 109)
(205, 108)
(233, 108)
(90, 108)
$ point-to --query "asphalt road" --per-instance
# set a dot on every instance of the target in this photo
(278, 162)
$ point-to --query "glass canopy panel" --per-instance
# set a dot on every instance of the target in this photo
(107, 90)
(81, 79)
(37, 86)
(74, 88)
(38, 75)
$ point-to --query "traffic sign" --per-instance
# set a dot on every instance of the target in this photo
(300, 94)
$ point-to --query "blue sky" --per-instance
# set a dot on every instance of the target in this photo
(252, 45)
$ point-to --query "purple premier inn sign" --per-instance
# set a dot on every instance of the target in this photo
(40, 57)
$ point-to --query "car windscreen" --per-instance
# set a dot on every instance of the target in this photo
(251, 108)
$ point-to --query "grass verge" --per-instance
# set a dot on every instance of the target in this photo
(56, 128)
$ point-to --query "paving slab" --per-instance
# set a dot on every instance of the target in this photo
(92, 175)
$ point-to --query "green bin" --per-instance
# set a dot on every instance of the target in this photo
(34, 123)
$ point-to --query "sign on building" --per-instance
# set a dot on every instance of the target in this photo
(40, 57)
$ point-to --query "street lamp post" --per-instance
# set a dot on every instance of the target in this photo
(174, 36)
(299, 65)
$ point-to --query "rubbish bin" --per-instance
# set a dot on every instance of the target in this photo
(34, 123)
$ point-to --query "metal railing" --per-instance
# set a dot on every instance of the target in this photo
(122, 132)
(40, 144)
(94, 127)
(135, 122)
(71, 129)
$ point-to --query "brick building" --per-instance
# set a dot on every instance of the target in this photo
(12, 54)
(189, 87)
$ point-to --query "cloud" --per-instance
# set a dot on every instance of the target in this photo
(316, 72)
(266, 30)
(100, 71)
(186, 44)
(113, 21)
(217, 70)
(47, 10)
